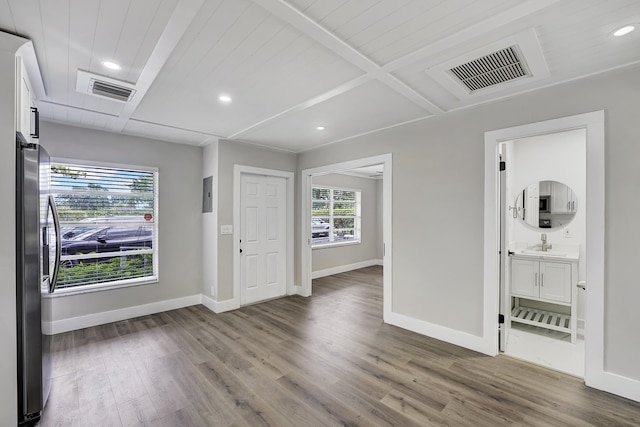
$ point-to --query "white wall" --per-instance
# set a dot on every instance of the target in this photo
(438, 204)
(328, 258)
(8, 356)
(558, 157)
(210, 224)
(232, 153)
(179, 215)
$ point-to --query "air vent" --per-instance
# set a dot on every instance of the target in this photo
(502, 66)
(109, 90)
(497, 67)
(104, 87)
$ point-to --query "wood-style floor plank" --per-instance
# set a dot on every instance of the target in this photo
(327, 360)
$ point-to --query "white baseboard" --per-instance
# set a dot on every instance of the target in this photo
(344, 268)
(452, 336)
(616, 384)
(80, 322)
(219, 306)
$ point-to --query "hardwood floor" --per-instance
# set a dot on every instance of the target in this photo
(320, 361)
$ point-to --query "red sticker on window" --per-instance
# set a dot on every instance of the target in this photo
(147, 217)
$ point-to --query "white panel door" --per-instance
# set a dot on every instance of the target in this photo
(263, 219)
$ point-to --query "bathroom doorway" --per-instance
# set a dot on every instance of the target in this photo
(543, 235)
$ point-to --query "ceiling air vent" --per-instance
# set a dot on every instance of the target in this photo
(119, 93)
(492, 69)
(104, 87)
(502, 66)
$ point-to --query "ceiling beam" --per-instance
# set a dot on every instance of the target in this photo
(183, 15)
(317, 32)
(345, 87)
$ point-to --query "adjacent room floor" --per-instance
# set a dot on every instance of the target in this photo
(547, 348)
(319, 361)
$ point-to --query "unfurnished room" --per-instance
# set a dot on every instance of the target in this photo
(319, 212)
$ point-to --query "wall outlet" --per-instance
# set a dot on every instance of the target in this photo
(567, 233)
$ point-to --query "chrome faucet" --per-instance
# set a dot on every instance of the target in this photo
(544, 245)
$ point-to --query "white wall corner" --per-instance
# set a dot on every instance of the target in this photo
(344, 268)
(104, 317)
(220, 306)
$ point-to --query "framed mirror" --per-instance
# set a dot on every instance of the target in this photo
(545, 205)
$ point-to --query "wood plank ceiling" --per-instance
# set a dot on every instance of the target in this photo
(352, 66)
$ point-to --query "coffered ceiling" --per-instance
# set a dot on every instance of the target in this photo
(289, 67)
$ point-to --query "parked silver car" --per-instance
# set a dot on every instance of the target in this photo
(319, 228)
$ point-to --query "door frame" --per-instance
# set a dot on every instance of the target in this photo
(387, 221)
(238, 171)
(595, 374)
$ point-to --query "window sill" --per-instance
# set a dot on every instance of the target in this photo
(336, 244)
(99, 287)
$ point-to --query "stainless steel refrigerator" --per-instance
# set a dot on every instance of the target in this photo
(38, 260)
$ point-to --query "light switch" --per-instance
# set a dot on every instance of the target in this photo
(226, 229)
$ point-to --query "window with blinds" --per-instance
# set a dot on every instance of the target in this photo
(108, 224)
(335, 215)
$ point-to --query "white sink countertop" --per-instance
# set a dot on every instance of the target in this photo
(567, 251)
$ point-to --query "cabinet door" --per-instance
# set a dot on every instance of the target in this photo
(559, 198)
(555, 281)
(524, 277)
(545, 188)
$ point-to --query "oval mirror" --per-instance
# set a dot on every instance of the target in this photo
(546, 205)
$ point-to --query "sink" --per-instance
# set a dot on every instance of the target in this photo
(539, 252)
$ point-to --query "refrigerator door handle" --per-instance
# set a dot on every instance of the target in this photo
(56, 225)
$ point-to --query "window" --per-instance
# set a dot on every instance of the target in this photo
(335, 215)
(108, 225)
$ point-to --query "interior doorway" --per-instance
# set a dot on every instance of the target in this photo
(543, 233)
(307, 216)
(595, 374)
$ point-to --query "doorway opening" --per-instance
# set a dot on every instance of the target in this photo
(340, 222)
(543, 233)
(595, 374)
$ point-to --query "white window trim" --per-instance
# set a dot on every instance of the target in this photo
(336, 244)
(357, 218)
(99, 287)
(116, 284)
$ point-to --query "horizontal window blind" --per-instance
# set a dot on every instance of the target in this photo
(107, 218)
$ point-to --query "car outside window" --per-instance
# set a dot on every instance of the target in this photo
(108, 225)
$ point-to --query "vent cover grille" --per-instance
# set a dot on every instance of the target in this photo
(492, 69)
(110, 90)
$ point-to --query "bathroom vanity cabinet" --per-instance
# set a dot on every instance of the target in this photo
(546, 279)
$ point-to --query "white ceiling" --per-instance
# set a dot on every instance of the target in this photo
(352, 66)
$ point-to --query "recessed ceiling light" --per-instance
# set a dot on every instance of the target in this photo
(320, 128)
(224, 98)
(622, 31)
(111, 65)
